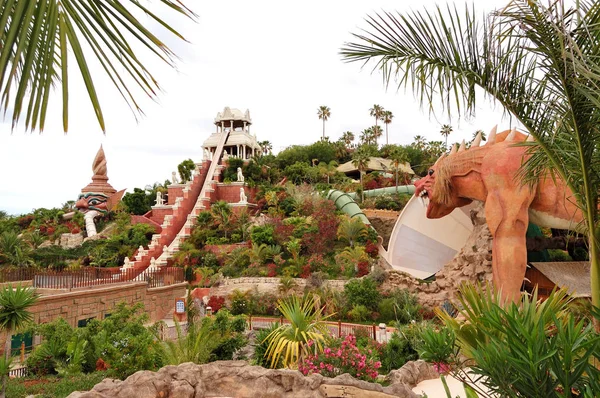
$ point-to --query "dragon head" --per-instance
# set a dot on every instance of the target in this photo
(439, 204)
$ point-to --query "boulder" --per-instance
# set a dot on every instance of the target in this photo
(240, 380)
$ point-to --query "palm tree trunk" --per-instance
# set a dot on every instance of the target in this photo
(595, 276)
(396, 180)
(323, 129)
(386, 136)
(7, 347)
(446, 141)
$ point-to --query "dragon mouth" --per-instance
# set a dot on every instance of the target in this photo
(424, 196)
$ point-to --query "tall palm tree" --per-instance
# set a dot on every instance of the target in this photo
(14, 316)
(539, 60)
(348, 138)
(267, 147)
(377, 132)
(387, 119)
(377, 112)
(360, 160)
(398, 157)
(324, 112)
(366, 136)
(38, 38)
(222, 212)
(445, 131)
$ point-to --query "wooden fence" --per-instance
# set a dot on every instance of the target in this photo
(90, 276)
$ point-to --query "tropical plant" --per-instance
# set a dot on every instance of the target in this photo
(360, 160)
(267, 147)
(39, 37)
(376, 132)
(539, 60)
(222, 212)
(12, 249)
(539, 341)
(324, 113)
(185, 170)
(195, 345)
(366, 136)
(387, 119)
(14, 316)
(419, 142)
(377, 112)
(351, 229)
(305, 332)
(398, 157)
(445, 131)
(348, 138)
(286, 285)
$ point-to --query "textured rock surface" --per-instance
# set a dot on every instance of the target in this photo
(240, 380)
(473, 263)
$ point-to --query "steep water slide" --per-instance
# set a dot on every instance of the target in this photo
(418, 246)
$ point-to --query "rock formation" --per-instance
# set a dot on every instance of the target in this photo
(240, 380)
(473, 263)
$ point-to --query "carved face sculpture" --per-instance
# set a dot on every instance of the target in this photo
(92, 201)
(436, 207)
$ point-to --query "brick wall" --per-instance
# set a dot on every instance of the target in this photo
(175, 191)
(230, 193)
(158, 215)
(97, 302)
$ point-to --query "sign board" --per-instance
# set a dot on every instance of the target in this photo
(179, 306)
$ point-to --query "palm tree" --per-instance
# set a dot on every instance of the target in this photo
(377, 132)
(445, 131)
(398, 157)
(222, 212)
(324, 112)
(360, 160)
(41, 36)
(419, 142)
(387, 119)
(366, 136)
(266, 146)
(348, 138)
(14, 316)
(291, 341)
(377, 112)
(539, 61)
(195, 345)
(351, 229)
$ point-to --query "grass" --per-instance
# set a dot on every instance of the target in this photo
(52, 386)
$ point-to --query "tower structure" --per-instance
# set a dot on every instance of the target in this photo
(240, 143)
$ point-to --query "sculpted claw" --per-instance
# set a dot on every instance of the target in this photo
(492, 138)
(462, 146)
(512, 135)
(453, 150)
(530, 138)
(477, 141)
(440, 159)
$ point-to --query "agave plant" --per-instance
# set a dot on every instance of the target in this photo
(306, 330)
(194, 345)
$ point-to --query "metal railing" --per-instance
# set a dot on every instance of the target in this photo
(16, 274)
(90, 277)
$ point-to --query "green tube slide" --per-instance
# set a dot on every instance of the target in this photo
(346, 201)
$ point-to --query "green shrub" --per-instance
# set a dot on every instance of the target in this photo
(210, 260)
(439, 345)
(263, 234)
(52, 386)
(559, 255)
(362, 292)
(580, 254)
(359, 313)
(260, 348)
(402, 347)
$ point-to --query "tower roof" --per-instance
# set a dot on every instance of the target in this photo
(234, 114)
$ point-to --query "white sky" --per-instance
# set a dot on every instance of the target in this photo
(276, 58)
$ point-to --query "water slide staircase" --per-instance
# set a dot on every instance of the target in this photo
(177, 226)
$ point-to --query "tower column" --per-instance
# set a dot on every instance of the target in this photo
(244, 151)
(245, 127)
(222, 126)
(231, 124)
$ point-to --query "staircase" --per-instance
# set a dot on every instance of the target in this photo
(177, 227)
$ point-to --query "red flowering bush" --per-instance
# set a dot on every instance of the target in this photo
(320, 240)
(362, 268)
(271, 270)
(371, 249)
(361, 363)
(216, 303)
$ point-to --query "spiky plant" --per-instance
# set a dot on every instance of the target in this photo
(290, 341)
(351, 229)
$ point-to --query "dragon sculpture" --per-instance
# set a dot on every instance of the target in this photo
(488, 174)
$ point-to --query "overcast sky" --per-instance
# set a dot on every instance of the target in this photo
(278, 59)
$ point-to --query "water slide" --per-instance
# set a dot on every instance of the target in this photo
(418, 246)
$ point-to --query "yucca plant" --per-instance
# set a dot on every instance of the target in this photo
(531, 349)
(305, 332)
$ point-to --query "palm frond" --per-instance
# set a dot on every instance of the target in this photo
(39, 36)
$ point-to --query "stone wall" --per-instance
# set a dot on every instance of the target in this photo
(265, 285)
(97, 302)
(472, 264)
(230, 193)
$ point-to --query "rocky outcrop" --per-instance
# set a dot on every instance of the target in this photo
(240, 380)
(473, 263)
